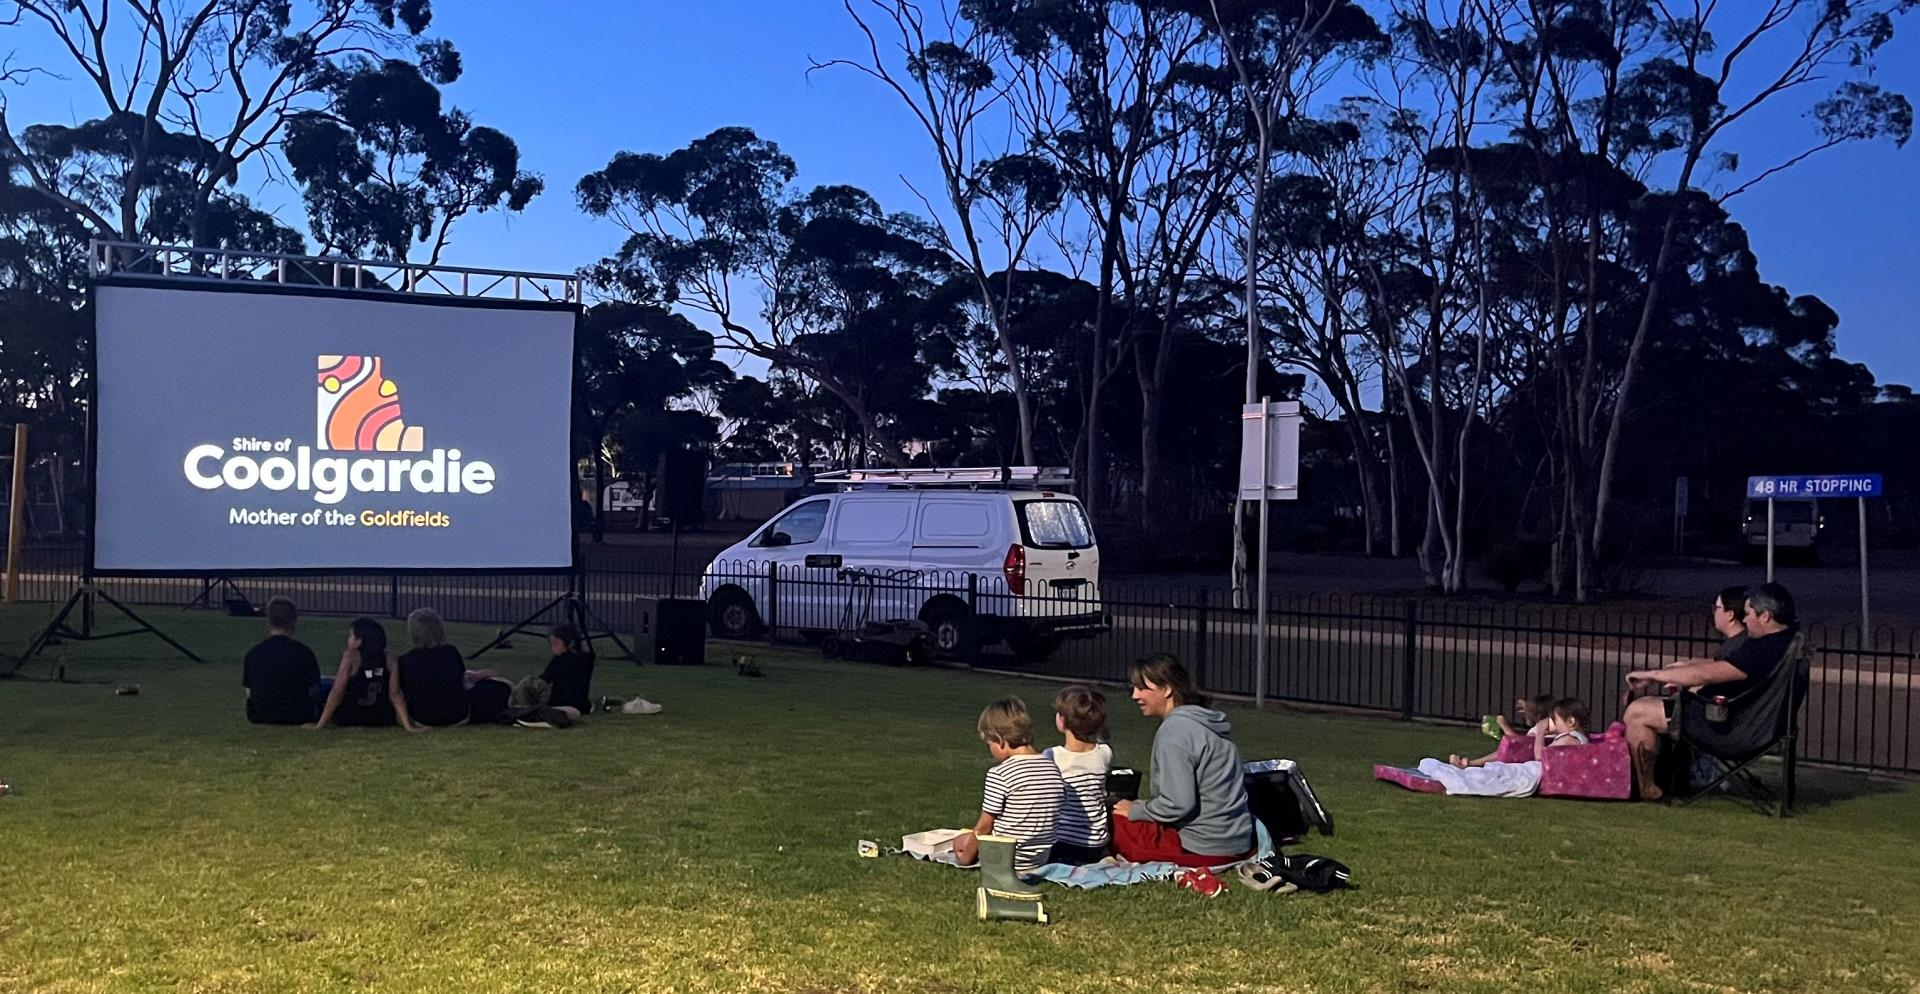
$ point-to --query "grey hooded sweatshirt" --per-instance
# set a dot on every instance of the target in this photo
(1199, 783)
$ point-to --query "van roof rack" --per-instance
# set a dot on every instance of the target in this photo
(973, 477)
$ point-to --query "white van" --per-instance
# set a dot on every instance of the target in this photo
(1797, 524)
(622, 495)
(962, 550)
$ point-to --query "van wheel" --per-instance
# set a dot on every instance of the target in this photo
(951, 626)
(1031, 648)
(730, 615)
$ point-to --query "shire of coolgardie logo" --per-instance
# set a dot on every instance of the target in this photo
(358, 410)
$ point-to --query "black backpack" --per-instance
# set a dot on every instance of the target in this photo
(1306, 871)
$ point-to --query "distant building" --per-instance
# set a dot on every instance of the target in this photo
(754, 491)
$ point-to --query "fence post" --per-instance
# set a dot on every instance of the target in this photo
(1200, 640)
(393, 596)
(772, 621)
(1409, 655)
(972, 648)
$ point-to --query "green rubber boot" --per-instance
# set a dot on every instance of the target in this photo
(1002, 893)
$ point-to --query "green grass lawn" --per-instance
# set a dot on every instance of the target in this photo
(159, 842)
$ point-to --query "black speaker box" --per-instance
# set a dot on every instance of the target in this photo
(670, 630)
(681, 483)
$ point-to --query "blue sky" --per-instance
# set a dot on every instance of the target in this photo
(574, 81)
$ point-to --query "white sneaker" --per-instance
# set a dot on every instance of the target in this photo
(640, 705)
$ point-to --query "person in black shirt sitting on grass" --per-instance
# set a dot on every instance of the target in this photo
(281, 675)
(366, 691)
(432, 673)
(570, 671)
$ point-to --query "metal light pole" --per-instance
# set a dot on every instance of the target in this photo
(1260, 611)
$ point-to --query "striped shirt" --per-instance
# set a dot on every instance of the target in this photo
(1083, 808)
(1023, 795)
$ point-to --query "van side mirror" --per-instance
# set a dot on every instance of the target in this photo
(777, 539)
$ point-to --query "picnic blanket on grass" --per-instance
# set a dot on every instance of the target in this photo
(1110, 872)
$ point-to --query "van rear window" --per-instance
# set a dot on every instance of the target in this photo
(1785, 512)
(1055, 524)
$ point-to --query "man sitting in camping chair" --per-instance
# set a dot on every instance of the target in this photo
(1741, 680)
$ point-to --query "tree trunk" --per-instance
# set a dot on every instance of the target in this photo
(1153, 494)
(599, 494)
(1098, 366)
(1023, 404)
(1096, 454)
(1557, 549)
(1457, 555)
(1430, 542)
(1016, 376)
(1363, 464)
(1603, 493)
(1394, 543)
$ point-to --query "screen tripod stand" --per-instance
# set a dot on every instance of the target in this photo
(82, 600)
(573, 606)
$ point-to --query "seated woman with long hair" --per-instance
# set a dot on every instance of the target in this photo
(1198, 814)
(366, 688)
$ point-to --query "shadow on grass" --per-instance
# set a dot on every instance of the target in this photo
(1817, 788)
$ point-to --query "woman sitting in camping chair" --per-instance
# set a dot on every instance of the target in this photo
(1771, 630)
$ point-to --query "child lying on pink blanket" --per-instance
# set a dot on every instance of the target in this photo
(1565, 725)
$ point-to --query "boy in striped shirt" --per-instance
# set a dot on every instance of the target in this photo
(1023, 791)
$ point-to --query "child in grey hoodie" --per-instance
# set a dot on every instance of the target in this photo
(1198, 813)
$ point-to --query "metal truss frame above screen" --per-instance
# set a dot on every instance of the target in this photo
(139, 260)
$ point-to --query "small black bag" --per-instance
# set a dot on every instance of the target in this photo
(1319, 874)
(1278, 794)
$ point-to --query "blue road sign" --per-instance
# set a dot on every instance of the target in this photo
(1803, 487)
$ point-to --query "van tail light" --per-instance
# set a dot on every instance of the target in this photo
(1016, 569)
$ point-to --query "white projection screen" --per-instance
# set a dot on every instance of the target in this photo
(245, 429)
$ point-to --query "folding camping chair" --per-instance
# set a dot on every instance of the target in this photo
(1739, 732)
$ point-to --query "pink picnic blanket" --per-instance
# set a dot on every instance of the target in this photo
(1599, 770)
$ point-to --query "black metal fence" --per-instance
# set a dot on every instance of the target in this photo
(1405, 657)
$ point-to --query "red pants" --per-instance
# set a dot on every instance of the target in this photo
(1152, 842)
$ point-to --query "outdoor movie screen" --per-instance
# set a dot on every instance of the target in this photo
(261, 430)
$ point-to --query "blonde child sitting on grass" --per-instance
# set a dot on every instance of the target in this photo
(1023, 790)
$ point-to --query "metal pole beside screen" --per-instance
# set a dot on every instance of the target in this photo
(1769, 539)
(1866, 623)
(1260, 612)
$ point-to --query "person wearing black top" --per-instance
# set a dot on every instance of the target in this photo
(1770, 628)
(280, 674)
(1729, 622)
(432, 675)
(570, 671)
(366, 689)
